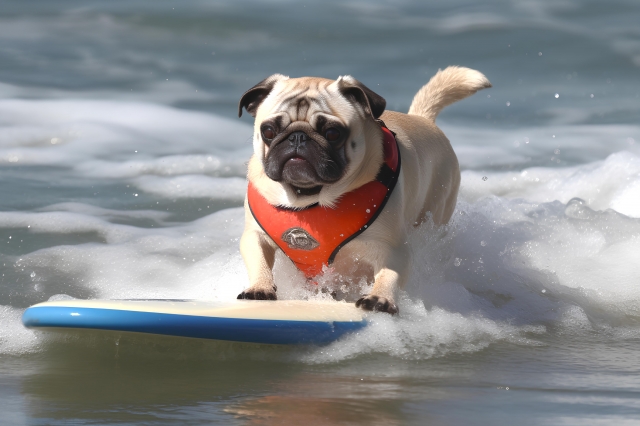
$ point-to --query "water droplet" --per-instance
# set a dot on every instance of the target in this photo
(483, 243)
(368, 211)
(544, 291)
(557, 95)
(484, 178)
(457, 261)
(33, 275)
(577, 209)
(508, 103)
(539, 53)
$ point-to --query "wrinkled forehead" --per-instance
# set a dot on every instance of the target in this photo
(303, 99)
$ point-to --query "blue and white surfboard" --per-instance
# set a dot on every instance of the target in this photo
(273, 322)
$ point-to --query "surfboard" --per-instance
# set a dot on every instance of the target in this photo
(271, 322)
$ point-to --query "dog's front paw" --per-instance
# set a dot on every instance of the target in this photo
(257, 293)
(371, 302)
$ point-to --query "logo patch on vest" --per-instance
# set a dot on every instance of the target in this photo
(298, 238)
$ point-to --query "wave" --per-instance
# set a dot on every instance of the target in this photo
(522, 257)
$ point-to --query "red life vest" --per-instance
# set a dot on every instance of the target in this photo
(311, 237)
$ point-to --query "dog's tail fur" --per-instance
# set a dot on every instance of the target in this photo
(446, 87)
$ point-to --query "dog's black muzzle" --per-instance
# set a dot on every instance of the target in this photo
(301, 157)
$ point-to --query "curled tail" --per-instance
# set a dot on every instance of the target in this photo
(446, 87)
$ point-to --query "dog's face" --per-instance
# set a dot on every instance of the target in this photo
(312, 137)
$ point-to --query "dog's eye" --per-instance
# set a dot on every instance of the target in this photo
(332, 134)
(268, 132)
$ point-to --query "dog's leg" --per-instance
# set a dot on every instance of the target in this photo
(388, 278)
(259, 255)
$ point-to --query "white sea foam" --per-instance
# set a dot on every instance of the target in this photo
(613, 183)
(86, 135)
(190, 260)
(170, 165)
(502, 271)
(109, 214)
(14, 338)
(520, 254)
(549, 147)
(193, 186)
(421, 333)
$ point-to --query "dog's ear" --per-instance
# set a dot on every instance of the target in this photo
(253, 97)
(352, 89)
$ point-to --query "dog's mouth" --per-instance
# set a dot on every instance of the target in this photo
(298, 169)
(295, 161)
(315, 190)
(296, 172)
(299, 172)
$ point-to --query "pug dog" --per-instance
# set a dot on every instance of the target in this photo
(322, 147)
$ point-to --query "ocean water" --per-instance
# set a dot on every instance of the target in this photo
(122, 175)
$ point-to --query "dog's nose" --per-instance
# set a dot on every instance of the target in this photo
(298, 138)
